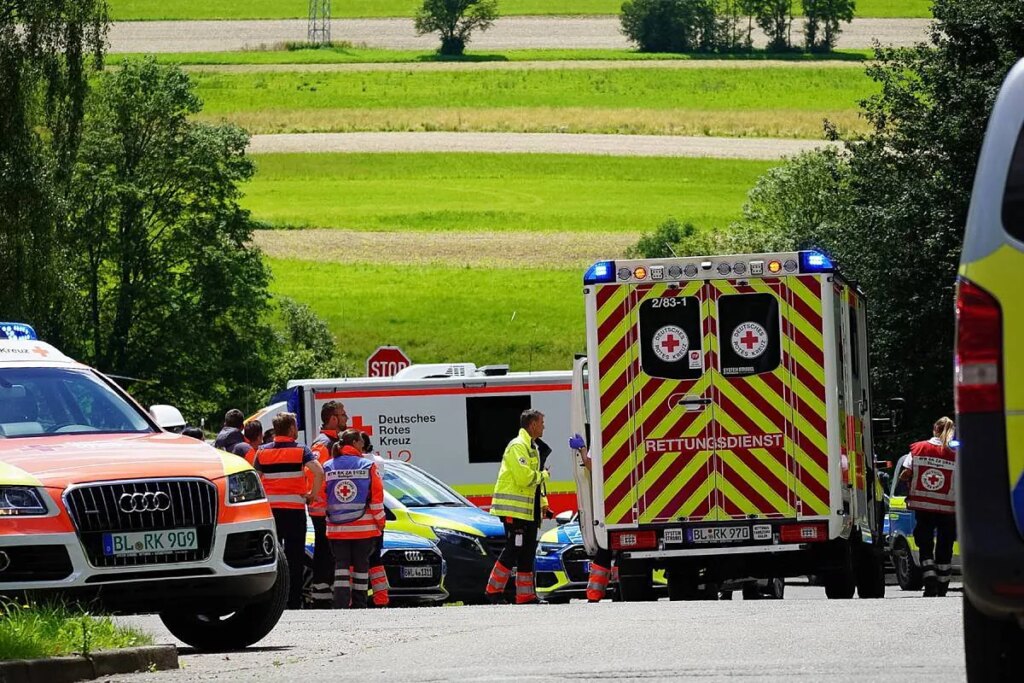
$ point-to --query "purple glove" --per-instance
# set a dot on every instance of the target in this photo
(576, 442)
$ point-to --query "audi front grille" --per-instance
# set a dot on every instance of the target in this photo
(575, 560)
(143, 505)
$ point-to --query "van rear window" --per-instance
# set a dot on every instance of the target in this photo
(1013, 195)
(491, 421)
(749, 334)
(671, 338)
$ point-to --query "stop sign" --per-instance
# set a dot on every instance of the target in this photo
(386, 361)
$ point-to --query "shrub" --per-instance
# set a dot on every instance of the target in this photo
(670, 25)
(455, 20)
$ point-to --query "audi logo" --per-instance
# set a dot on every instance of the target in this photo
(144, 502)
(413, 556)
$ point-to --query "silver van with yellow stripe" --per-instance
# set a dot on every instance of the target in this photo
(990, 398)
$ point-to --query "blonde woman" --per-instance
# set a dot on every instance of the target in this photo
(930, 468)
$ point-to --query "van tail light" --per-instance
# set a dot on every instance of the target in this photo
(803, 533)
(979, 346)
(634, 540)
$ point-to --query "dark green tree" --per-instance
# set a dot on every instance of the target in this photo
(308, 347)
(175, 291)
(822, 19)
(48, 49)
(671, 25)
(455, 21)
(775, 17)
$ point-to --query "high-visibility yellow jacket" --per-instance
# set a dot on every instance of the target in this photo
(518, 479)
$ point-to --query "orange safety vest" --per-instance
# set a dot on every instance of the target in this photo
(322, 448)
(931, 479)
(283, 473)
(371, 524)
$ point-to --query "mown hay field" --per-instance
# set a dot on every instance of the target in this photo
(496, 192)
(122, 10)
(770, 102)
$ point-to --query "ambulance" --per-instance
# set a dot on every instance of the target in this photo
(727, 408)
(453, 420)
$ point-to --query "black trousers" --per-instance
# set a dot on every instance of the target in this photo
(603, 558)
(291, 532)
(935, 533)
(520, 544)
(323, 562)
(351, 572)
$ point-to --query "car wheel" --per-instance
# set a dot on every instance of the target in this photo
(840, 582)
(752, 591)
(775, 590)
(908, 574)
(994, 648)
(215, 632)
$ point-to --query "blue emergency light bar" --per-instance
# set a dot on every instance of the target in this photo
(17, 331)
(815, 262)
(600, 273)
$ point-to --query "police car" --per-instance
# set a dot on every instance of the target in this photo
(97, 501)
(414, 566)
(989, 385)
(898, 529)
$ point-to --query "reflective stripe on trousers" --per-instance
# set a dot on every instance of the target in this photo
(944, 571)
(378, 579)
(598, 583)
(360, 581)
(321, 591)
(499, 578)
(928, 569)
(524, 587)
(341, 578)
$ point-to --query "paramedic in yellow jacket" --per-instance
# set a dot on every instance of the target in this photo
(519, 501)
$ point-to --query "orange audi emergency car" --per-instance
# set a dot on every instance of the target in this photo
(98, 502)
(728, 409)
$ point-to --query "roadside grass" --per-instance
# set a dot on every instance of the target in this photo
(532, 319)
(347, 54)
(496, 192)
(37, 631)
(776, 102)
(123, 10)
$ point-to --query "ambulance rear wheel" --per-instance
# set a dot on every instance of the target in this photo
(869, 566)
(840, 581)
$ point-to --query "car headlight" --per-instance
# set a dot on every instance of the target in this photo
(21, 501)
(244, 487)
(546, 549)
(460, 539)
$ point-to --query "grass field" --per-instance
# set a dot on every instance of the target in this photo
(772, 102)
(285, 9)
(346, 54)
(496, 192)
(441, 314)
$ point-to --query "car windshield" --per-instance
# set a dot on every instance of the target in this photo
(47, 401)
(416, 489)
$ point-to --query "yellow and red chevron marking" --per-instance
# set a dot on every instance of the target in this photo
(703, 484)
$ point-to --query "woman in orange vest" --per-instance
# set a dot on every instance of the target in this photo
(355, 517)
(929, 466)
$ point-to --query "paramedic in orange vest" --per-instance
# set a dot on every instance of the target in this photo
(333, 421)
(282, 465)
(601, 570)
(378, 576)
(929, 466)
(520, 503)
(355, 518)
(253, 434)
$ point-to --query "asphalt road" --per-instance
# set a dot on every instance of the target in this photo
(802, 638)
(398, 34)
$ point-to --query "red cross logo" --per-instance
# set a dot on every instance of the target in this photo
(357, 424)
(750, 340)
(933, 480)
(670, 343)
(40, 351)
(344, 491)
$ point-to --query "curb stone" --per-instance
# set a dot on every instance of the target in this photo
(77, 668)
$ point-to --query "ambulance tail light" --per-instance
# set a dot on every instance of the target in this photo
(815, 262)
(634, 540)
(979, 339)
(803, 533)
(600, 273)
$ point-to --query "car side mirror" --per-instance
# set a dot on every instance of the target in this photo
(168, 417)
(563, 517)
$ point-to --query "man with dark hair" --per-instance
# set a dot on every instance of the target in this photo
(231, 434)
(253, 433)
(333, 421)
(519, 501)
(194, 432)
(282, 466)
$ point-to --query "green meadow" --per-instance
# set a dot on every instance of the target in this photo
(764, 102)
(122, 10)
(496, 192)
